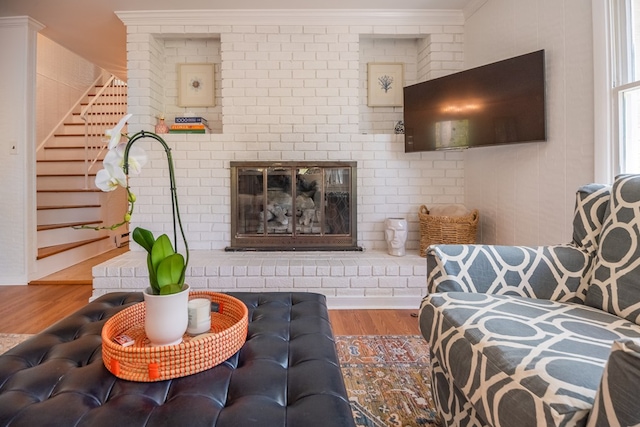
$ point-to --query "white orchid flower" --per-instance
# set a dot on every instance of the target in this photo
(109, 178)
(116, 133)
(137, 158)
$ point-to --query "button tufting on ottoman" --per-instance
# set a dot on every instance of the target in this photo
(286, 374)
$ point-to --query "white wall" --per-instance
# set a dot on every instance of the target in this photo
(17, 124)
(62, 78)
(525, 193)
(290, 90)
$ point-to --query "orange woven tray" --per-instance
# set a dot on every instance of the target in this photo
(144, 363)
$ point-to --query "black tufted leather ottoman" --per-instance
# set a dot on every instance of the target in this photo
(286, 374)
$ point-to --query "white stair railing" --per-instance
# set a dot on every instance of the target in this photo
(102, 112)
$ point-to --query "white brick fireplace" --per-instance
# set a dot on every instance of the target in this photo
(290, 85)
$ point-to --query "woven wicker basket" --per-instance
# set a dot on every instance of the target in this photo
(141, 362)
(446, 229)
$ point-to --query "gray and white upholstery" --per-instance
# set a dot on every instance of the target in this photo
(520, 336)
(551, 272)
(617, 399)
(592, 202)
(615, 286)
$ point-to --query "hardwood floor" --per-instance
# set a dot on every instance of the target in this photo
(374, 322)
(30, 309)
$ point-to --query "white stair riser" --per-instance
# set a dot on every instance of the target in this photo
(67, 167)
(92, 128)
(56, 182)
(59, 216)
(71, 198)
(107, 108)
(108, 91)
(70, 154)
(60, 236)
(112, 117)
(71, 257)
(60, 168)
(98, 140)
(108, 98)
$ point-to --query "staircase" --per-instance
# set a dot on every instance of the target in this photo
(67, 197)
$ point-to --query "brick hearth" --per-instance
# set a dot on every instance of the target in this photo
(371, 279)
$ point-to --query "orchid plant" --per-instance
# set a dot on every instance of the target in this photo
(166, 266)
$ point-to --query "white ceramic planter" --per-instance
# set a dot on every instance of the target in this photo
(166, 317)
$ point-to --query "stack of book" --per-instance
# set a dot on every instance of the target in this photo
(189, 124)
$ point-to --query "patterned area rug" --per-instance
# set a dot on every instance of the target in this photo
(8, 341)
(388, 380)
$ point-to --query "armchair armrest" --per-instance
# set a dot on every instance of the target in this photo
(558, 273)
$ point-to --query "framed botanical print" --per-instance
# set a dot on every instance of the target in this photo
(385, 84)
(196, 87)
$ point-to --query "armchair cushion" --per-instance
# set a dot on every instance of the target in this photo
(520, 361)
(615, 284)
(558, 273)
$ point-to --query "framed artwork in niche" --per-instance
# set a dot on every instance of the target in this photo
(196, 86)
(385, 81)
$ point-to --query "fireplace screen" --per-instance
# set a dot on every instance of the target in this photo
(293, 206)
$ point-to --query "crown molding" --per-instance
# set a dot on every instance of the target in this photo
(20, 21)
(330, 17)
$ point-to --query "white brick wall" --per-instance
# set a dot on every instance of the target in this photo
(291, 92)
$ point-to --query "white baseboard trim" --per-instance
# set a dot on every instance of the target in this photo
(374, 302)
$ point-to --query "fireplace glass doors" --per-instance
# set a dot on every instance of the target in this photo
(293, 206)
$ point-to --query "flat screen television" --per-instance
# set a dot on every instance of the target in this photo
(498, 103)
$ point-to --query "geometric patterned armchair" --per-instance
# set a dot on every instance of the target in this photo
(547, 335)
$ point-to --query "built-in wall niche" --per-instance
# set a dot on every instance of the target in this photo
(168, 52)
(386, 49)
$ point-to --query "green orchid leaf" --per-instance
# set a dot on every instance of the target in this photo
(153, 280)
(170, 270)
(144, 238)
(170, 289)
(161, 249)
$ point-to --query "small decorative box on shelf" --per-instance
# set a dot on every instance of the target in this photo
(144, 363)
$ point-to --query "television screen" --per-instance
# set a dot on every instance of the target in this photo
(498, 103)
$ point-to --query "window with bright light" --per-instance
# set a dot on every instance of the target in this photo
(625, 17)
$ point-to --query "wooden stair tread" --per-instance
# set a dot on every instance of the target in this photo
(52, 207)
(67, 224)
(77, 134)
(91, 124)
(53, 250)
(72, 147)
(60, 161)
(71, 190)
(96, 113)
(105, 103)
(63, 282)
(65, 174)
